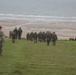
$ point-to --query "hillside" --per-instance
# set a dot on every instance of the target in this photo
(28, 58)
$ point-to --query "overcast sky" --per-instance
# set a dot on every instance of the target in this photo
(51, 6)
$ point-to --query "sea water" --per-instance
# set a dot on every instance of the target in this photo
(38, 11)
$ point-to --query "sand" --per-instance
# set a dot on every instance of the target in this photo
(64, 30)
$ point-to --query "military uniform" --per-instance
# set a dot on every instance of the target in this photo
(16, 32)
(54, 38)
(31, 36)
(13, 36)
(48, 38)
(19, 33)
(1, 40)
(44, 36)
(27, 36)
(35, 37)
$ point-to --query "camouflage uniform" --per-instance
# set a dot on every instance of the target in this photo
(19, 33)
(13, 36)
(28, 36)
(16, 32)
(54, 38)
(1, 41)
(44, 36)
(40, 36)
(48, 38)
(35, 37)
(31, 36)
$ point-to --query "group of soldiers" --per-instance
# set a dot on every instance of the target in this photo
(72, 39)
(15, 34)
(33, 36)
(42, 36)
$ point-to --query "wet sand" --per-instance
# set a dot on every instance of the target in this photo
(64, 30)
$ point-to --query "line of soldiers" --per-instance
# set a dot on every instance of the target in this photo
(42, 36)
(72, 39)
(15, 34)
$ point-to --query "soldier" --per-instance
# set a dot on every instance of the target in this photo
(19, 33)
(13, 36)
(28, 36)
(44, 36)
(16, 32)
(40, 36)
(54, 38)
(35, 37)
(31, 36)
(1, 40)
(48, 38)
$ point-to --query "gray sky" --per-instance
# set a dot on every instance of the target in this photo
(65, 7)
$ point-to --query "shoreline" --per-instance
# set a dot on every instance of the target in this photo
(64, 30)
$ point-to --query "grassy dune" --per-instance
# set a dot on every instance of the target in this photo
(27, 58)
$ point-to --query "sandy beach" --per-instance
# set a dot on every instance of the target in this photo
(64, 30)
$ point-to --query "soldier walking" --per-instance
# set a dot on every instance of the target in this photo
(13, 36)
(19, 33)
(16, 32)
(35, 37)
(28, 36)
(1, 40)
(54, 38)
(48, 38)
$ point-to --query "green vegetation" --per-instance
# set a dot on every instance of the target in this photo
(28, 58)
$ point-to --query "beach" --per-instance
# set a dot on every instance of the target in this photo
(64, 30)
(39, 15)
